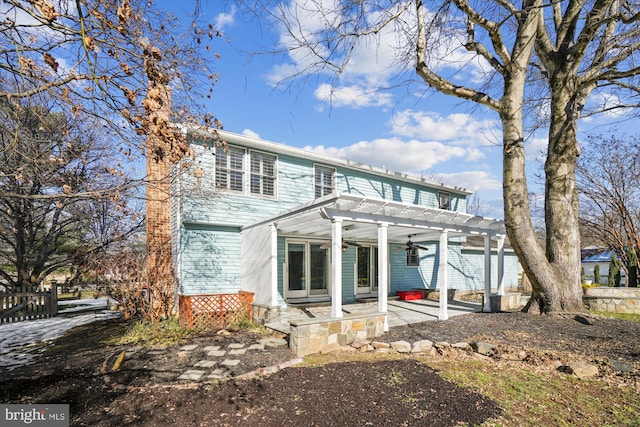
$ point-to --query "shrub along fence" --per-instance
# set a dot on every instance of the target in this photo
(26, 304)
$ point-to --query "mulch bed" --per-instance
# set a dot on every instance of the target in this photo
(372, 392)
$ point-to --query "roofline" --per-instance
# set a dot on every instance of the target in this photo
(261, 144)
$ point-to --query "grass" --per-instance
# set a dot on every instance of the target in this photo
(170, 332)
(545, 398)
(166, 332)
(620, 316)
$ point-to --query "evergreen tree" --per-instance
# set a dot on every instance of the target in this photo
(596, 274)
(632, 280)
(614, 271)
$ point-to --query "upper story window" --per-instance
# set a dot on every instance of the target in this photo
(444, 200)
(263, 174)
(413, 257)
(324, 181)
(230, 169)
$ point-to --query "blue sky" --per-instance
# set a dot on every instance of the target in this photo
(406, 128)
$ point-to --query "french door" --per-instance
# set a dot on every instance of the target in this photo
(307, 269)
(367, 269)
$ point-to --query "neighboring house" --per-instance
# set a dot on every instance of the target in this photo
(592, 256)
(294, 226)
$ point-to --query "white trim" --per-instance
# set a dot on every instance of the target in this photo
(275, 175)
(307, 260)
(334, 179)
(274, 265)
(487, 274)
(371, 262)
(228, 190)
(336, 268)
(383, 272)
(500, 265)
(443, 275)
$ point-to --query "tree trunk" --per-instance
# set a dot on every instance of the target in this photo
(554, 274)
(561, 290)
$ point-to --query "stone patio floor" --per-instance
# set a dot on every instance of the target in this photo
(398, 312)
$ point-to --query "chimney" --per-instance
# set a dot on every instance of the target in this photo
(160, 274)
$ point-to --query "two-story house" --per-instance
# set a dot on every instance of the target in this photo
(295, 226)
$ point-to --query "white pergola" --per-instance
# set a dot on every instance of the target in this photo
(352, 217)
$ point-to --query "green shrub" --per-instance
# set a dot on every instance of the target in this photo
(614, 271)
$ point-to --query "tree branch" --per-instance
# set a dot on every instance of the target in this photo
(436, 80)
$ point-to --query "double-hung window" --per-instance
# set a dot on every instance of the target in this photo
(263, 174)
(444, 200)
(324, 181)
(230, 169)
(413, 257)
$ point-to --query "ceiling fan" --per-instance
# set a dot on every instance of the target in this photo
(345, 245)
(410, 245)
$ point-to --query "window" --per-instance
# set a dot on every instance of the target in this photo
(444, 200)
(413, 257)
(324, 181)
(263, 174)
(230, 169)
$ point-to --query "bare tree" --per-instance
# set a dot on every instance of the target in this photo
(476, 206)
(608, 176)
(108, 59)
(549, 56)
(117, 64)
(52, 169)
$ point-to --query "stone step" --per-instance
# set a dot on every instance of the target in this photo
(279, 327)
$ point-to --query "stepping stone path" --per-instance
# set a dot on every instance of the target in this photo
(217, 361)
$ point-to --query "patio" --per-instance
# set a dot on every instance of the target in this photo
(399, 312)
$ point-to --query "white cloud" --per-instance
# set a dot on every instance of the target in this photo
(250, 133)
(457, 128)
(353, 96)
(280, 73)
(371, 59)
(472, 180)
(395, 154)
(536, 150)
(368, 63)
(225, 19)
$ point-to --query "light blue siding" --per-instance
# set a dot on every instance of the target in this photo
(208, 247)
(361, 184)
(210, 260)
(294, 187)
(474, 261)
(465, 269)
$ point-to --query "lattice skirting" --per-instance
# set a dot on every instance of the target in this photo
(215, 311)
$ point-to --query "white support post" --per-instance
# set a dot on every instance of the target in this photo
(336, 268)
(487, 274)
(383, 272)
(274, 265)
(501, 265)
(443, 276)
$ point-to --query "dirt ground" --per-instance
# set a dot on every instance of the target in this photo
(398, 391)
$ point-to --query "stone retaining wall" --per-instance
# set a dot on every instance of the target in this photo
(310, 336)
(508, 301)
(613, 300)
(262, 313)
